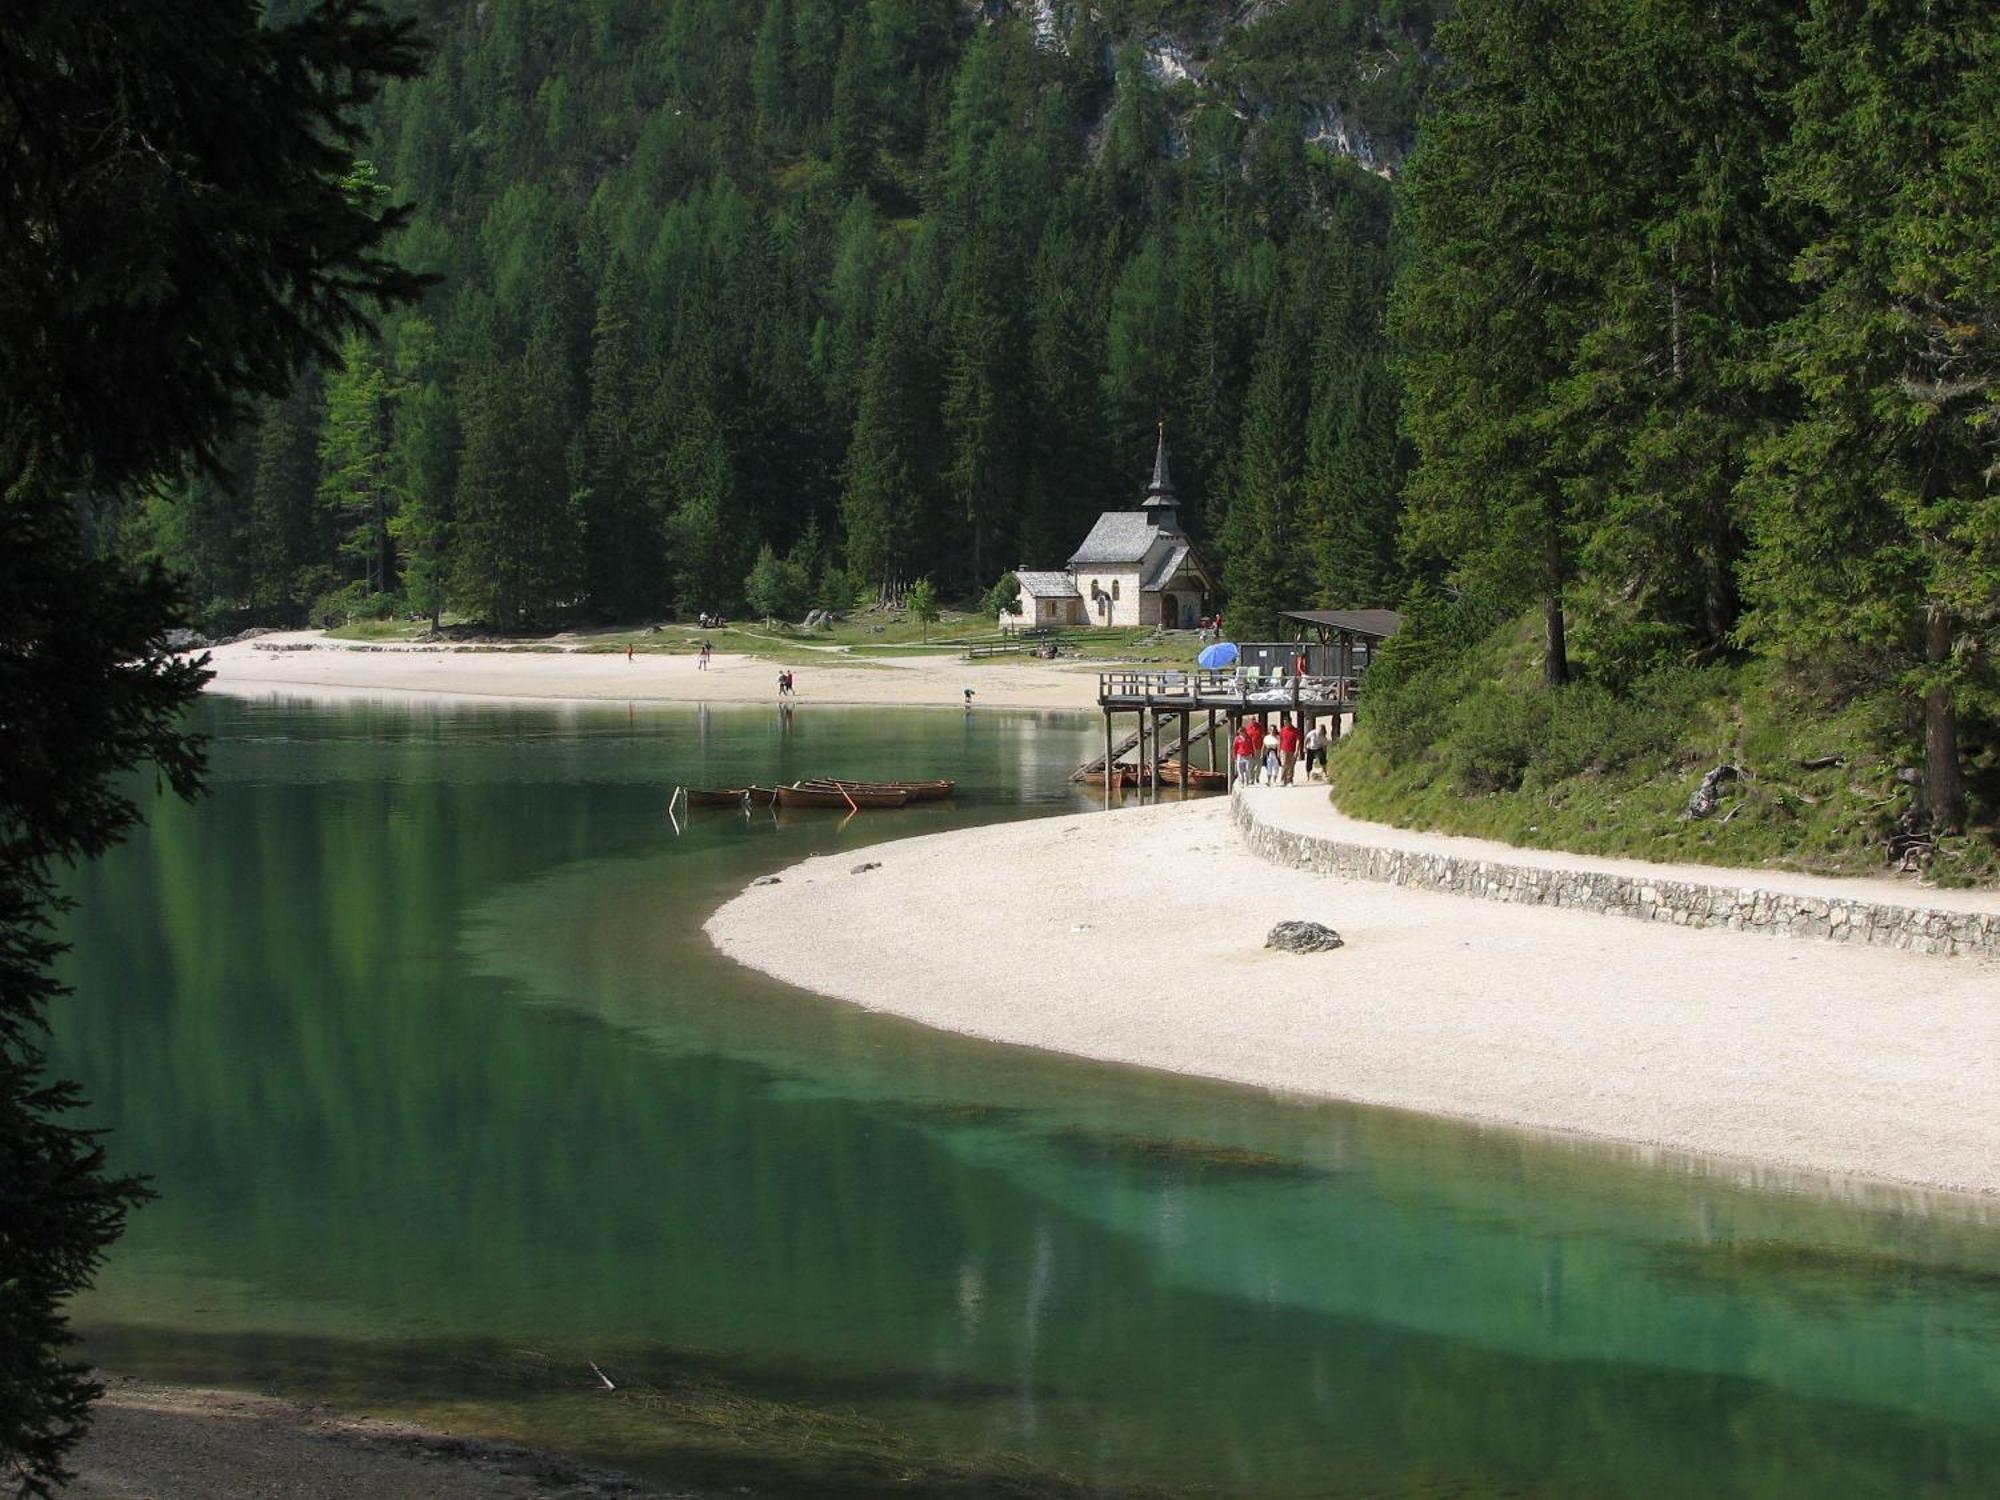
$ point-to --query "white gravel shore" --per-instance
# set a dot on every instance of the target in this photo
(307, 663)
(1136, 937)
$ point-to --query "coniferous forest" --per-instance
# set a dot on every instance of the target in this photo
(893, 288)
(1671, 323)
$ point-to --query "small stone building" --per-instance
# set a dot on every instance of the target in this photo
(1137, 567)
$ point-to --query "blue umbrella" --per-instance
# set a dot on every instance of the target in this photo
(1221, 654)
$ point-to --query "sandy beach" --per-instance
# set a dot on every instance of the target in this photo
(306, 663)
(1137, 937)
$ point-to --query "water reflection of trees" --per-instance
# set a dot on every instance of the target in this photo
(446, 1055)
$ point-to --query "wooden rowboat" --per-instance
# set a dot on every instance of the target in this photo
(916, 791)
(1122, 776)
(840, 797)
(710, 797)
(760, 796)
(1178, 772)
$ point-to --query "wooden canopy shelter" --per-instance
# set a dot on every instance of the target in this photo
(1340, 642)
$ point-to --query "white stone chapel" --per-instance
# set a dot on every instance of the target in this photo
(1137, 567)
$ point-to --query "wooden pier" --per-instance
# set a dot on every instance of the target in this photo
(1315, 678)
(1167, 705)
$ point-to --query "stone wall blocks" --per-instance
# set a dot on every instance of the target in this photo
(1685, 904)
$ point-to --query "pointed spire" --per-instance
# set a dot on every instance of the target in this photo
(1161, 490)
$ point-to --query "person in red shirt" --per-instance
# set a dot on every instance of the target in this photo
(1289, 739)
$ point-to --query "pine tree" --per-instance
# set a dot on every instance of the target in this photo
(1876, 529)
(162, 273)
(1266, 555)
(289, 542)
(623, 569)
(981, 438)
(881, 502)
(701, 525)
(423, 449)
(1139, 351)
(771, 88)
(1499, 213)
(354, 464)
(515, 560)
(1688, 101)
(1353, 478)
(855, 128)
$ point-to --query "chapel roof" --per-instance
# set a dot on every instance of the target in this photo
(1168, 565)
(1120, 536)
(1045, 585)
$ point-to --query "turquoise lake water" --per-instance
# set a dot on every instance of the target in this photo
(447, 1100)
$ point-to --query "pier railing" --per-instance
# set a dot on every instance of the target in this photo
(1229, 687)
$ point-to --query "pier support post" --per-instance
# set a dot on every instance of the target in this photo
(1108, 772)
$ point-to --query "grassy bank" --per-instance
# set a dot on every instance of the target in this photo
(1471, 742)
(854, 639)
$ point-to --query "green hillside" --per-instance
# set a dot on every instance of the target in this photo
(1695, 331)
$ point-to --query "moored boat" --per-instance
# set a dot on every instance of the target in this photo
(760, 796)
(916, 791)
(714, 797)
(1175, 772)
(845, 798)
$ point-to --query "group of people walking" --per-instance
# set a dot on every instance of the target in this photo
(1269, 753)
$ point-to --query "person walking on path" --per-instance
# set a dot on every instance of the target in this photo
(1288, 749)
(1240, 757)
(1315, 747)
(628, 651)
(1270, 757)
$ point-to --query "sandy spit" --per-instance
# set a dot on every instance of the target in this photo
(163, 1442)
(335, 669)
(1137, 937)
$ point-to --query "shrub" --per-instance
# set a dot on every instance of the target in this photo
(777, 587)
(1004, 598)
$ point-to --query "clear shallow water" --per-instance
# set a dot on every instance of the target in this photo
(446, 1096)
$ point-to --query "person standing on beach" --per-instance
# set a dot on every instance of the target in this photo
(1315, 747)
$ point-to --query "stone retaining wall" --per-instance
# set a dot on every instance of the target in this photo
(1684, 903)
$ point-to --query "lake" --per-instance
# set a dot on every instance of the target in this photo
(454, 1114)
